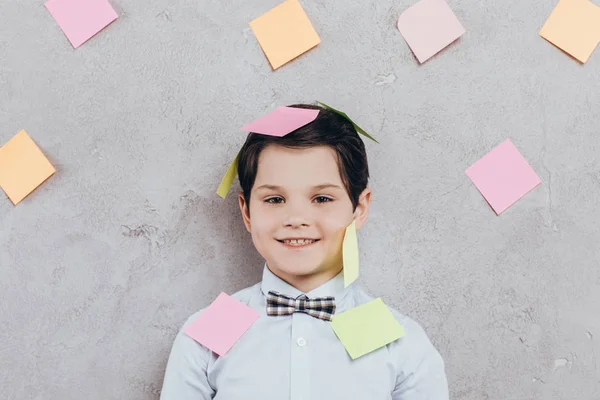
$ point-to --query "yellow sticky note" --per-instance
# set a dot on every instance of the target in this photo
(284, 33)
(227, 180)
(366, 328)
(574, 27)
(23, 167)
(350, 254)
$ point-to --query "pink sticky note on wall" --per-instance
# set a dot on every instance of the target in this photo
(222, 324)
(281, 121)
(428, 27)
(81, 19)
(503, 176)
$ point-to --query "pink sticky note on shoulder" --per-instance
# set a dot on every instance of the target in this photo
(428, 27)
(222, 324)
(281, 121)
(81, 19)
(503, 176)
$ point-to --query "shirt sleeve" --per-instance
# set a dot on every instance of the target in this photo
(186, 374)
(421, 373)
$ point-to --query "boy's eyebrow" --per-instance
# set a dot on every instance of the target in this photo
(317, 187)
(327, 186)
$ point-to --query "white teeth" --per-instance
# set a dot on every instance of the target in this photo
(298, 242)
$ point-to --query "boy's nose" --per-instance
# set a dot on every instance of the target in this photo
(297, 215)
(296, 221)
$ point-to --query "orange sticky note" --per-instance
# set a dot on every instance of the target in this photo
(574, 27)
(23, 167)
(284, 33)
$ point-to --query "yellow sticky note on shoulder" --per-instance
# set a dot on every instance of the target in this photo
(574, 27)
(228, 179)
(366, 328)
(350, 255)
(284, 33)
(23, 167)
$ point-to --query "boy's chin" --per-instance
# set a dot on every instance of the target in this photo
(297, 269)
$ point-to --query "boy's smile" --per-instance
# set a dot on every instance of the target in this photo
(298, 242)
(298, 213)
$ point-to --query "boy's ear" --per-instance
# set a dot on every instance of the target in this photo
(362, 208)
(245, 209)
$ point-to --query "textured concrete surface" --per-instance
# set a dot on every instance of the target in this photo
(100, 266)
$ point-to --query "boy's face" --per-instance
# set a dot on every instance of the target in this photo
(298, 214)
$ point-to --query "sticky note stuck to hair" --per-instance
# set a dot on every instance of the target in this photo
(503, 176)
(228, 179)
(428, 27)
(343, 114)
(23, 167)
(81, 19)
(284, 33)
(350, 255)
(366, 328)
(281, 121)
(574, 27)
(222, 324)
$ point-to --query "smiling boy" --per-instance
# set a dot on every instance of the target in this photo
(299, 193)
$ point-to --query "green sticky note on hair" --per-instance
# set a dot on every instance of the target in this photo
(343, 114)
(227, 180)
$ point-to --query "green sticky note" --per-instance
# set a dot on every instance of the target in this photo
(366, 328)
(350, 254)
(227, 180)
(343, 114)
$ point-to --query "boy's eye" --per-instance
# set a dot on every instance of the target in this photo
(274, 200)
(323, 199)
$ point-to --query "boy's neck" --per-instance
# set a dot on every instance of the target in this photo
(307, 283)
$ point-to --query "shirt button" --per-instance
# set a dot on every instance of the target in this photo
(301, 342)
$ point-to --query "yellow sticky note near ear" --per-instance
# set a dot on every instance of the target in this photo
(227, 180)
(350, 254)
(574, 27)
(23, 167)
(366, 328)
(284, 33)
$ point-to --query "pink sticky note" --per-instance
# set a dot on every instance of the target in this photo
(428, 27)
(503, 176)
(222, 324)
(281, 121)
(81, 19)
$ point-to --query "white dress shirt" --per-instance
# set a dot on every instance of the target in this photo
(299, 357)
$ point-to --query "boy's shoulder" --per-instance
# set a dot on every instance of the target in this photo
(244, 296)
(417, 361)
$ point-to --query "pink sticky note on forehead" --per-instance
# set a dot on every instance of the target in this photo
(281, 121)
(428, 27)
(503, 176)
(81, 19)
(222, 324)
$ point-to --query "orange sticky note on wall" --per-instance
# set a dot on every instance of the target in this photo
(574, 27)
(23, 167)
(284, 33)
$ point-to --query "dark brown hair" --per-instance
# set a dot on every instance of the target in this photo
(328, 129)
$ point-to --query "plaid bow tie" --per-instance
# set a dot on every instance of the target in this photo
(280, 304)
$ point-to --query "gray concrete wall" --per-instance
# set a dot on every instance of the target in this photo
(101, 265)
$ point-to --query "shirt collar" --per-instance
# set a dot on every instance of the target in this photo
(334, 287)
